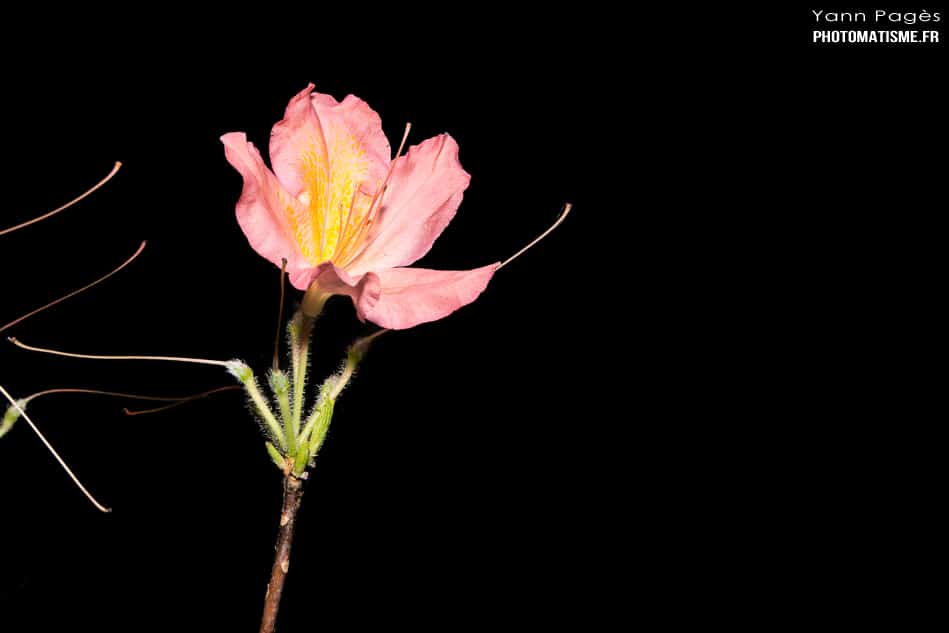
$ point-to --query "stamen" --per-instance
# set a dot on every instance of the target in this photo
(362, 344)
(324, 229)
(563, 216)
(97, 392)
(53, 451)
(353, 357)
(326, 176)
(358, 232)
(175, 401)
(67, 205)
(182, 401)
(405, 136)
(173, 359)
(349, 215)
(76, 292)
(276, 341)
(385, 183)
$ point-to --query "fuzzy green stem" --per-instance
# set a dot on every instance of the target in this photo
(317, 424)
(300, 333)
(280, 386)
(257, 398)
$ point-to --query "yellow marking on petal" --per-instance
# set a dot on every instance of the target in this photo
(356, 238)
(349, 168)
(298, 217)
(323, 216)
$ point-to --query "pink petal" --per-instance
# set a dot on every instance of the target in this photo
(295, 137)
(401, 298)
(324, 152)
(410, 296)
(424, 193)
(261, 209)
(362, 122)
(317, 128)
(364, 290)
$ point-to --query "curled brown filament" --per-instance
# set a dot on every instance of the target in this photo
(50, 214)
(77, 291)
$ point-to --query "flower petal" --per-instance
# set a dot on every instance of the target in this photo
(263, 207)
(400, 298)
(362, 123)
(410, 296)
(324, 152)
(364, 290)
(424, 193)
(293, 138)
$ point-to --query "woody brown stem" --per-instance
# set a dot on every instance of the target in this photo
(292, 496)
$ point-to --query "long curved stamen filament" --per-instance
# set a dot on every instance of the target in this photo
(53, 451)
(354, 236)
(174, 401)
(182, 401)
(89, 192)
(343, 223)
(76, 292)
(325, 173)
(405, 137)
(357, 233)
(373, 207)
(173, 359)
(563, 216)
(97, 392)
(276, 340)
(356, 353)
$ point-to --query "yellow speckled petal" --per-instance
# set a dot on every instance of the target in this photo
(331, 157)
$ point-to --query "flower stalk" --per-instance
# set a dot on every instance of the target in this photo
(301, 330)
(280, 385)
(292, 497)
(291, 449)
(246, 377)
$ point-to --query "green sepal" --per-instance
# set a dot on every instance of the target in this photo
(279, 382)
(275, 456)
(10, 418)
(302, 459)
(280, 385)
(324, 417)
(240, 370)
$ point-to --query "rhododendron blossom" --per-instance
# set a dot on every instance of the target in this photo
(340, 216)
(347, 217)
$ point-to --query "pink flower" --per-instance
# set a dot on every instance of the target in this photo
(348, 218)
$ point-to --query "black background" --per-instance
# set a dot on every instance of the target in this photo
(462, 460)
(698, 400)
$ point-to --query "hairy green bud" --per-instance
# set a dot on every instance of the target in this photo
(275, 456)
(10, 417)
(240, 370)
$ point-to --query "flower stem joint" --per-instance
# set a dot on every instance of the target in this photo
(293, 442)
(240, 370)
